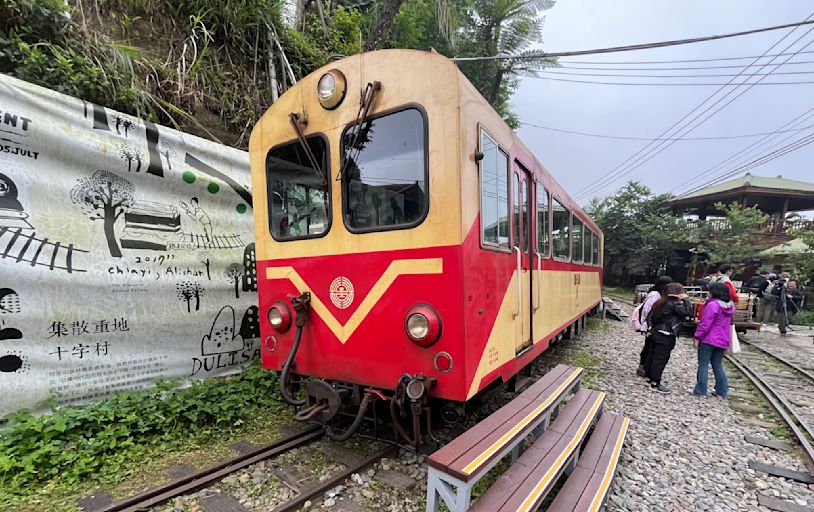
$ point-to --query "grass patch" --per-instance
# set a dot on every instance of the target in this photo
(596, 324)
(125, 444)
(589, 363)
(619, 291)
(804, 317)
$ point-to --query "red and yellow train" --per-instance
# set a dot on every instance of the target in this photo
(408, 244)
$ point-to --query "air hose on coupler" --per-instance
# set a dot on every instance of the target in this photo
(301, 306)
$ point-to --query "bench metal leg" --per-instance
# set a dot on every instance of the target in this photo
(455, 493)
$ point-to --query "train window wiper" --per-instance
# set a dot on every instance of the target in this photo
(365, 104)
(294, 118)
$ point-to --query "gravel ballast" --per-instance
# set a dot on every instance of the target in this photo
(683, 453)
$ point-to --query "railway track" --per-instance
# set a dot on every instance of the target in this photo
(214, 474)
(787, 386)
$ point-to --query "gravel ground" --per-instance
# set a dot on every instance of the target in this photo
(683, 453)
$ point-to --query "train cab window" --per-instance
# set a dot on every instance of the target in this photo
(576, 240)
(494, 194)
(385, 177)
(542, 221)
(299, 195)
(560, 233)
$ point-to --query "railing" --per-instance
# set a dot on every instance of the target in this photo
(771, 226)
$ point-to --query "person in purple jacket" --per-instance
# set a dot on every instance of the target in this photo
(712, 337)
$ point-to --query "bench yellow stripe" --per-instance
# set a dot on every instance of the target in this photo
(606, 480)
(500, 443)
(529, 502)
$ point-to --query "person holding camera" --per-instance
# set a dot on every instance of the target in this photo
(789, 300)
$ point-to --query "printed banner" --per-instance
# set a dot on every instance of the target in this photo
(126, 252)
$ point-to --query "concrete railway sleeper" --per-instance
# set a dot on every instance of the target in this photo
(559, 448)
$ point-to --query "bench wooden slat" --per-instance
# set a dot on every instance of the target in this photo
(452, 451)
(545, 460)
(463, 457)
(587, 487)
(592, 452)
(545, 382)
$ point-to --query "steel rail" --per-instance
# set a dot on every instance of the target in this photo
(788, 363)
(781, 405)
(199, 479)
(310, 493)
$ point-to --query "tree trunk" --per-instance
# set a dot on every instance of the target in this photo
(237, 294)
(207, 270)
(383, 22)
(110, 222)
(197, 301)
(189, 301)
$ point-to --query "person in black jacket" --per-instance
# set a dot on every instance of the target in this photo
(664, 321)
(789, 300)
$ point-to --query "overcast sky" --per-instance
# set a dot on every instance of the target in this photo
(639, 111)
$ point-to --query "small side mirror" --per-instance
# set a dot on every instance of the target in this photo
(478, 156)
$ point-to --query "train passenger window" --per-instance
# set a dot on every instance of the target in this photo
(576, 239)
(494, 195)
(384, 183)
(542, 221)
(526, 217)
(560, 235)
(299, 196)
(595, 255)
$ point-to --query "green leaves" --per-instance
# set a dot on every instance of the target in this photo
(97, 441)
(732, 240)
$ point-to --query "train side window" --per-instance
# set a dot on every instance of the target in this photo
(385, 178)
(494, 200)
(542, 221)
(526, 216)
(560, 232)
(576, 239)
(299, 196)
(595, 256)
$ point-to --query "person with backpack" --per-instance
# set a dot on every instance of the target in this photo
(640, 318)
(712, 338)
(664, 322)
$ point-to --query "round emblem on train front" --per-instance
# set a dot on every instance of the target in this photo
(341, 292)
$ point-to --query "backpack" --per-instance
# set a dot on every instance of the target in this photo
(636, 318)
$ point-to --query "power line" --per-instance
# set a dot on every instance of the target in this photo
(647, 152)
(682, 61)
(666, 84)
(619, 137)
(674, 68)
(634, 47)
(757, 162)
(716, 75)
(745, 153)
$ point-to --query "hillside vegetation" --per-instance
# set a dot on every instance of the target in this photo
(210, 67)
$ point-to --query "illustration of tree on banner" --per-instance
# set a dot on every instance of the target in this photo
(129, 153)
(104, 196)
(233, 273)
(203, 257)
(184, 291)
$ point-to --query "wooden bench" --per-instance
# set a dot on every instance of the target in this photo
(587, 487)
(524, 486)
(455, 468)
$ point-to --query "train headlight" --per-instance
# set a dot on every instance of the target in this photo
(279, 316)
(423, 325)
(331, 89)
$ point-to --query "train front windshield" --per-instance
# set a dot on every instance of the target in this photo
(299, 194)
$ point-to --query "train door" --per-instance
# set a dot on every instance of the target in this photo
(523, 249)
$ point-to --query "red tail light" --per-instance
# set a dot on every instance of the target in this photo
(279, 316)
(423, 325)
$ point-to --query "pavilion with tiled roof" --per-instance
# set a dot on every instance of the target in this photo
(774, 196)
